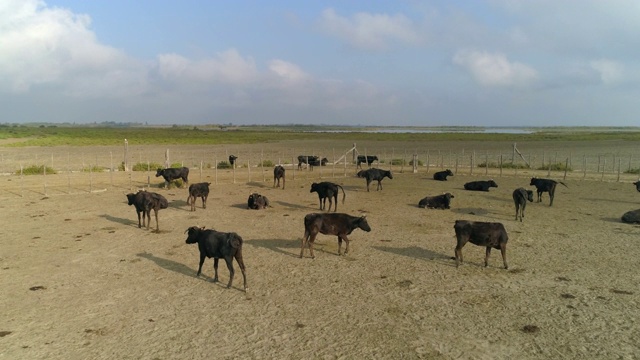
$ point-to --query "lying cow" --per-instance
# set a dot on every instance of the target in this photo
(442, 175)
(520, 198)
(637, 184)
(340, 225)
(480, 185)
(278, 173)
(369, 159)
(488, 234)
(377, 175)
(312, 161)
(257, 201)
(170, 174)
(216, 245)
(144, 202)
(436, 202)
(631, 217)
(199, 190)
(327, 190)
(545, 185)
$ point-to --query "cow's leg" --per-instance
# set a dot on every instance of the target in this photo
(312, 239)
(346, 240)
(148, 218)
(503, 251)
(157, 224)
(215, 270)
(305, 238)
(458, 254)
(486, 257)
(139, 226)
(379, 187)
(524, 205)
(238, 257)
(368, 182)
(339, 244)
(551, 193)
(229, 260)
(202, 257)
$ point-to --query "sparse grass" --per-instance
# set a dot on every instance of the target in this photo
(632, 171)
(93, 168)
(504, 165)
(224, 165)
(555, 167)
(398, 162)
(146, 166)
(36, 170)
(266, 163)
(419, 162)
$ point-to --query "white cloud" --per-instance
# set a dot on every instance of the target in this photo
(610, 71)
(370, 31)
(287, 71)
(227, 67)
(495, 69)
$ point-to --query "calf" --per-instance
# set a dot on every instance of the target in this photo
(436, 202)
(442, 175)
(257, 201)
(312, 161)
(631, 217)
(378, 175)
(480, 185)
(520, 197)
(199, 190)
(170, 174)
(637, 184)
(327, 190)
(482, 234)
(340, 225)
(144, 202)
(232, 160)
(369, 159)
(216, 245)
(278, 173)
(545, 185)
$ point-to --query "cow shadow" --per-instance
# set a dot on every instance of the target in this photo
(258, 184)
(472, 211)
(120, 220)
(240, 206)
(613, 220)
(170, 265)
(290, 205)
(418, 253)
(277, 245)
(611, 200)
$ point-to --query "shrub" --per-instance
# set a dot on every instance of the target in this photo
(504, 165)
(267, 163)
(224, 165)
(175, 165)
(632, 171)
(419, 162)
(555, 167)
(144, 167)
(398, 162)
(36, 170)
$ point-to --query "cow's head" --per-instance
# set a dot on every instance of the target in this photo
(449, 172)
(194, 234)
(530, 195)
(159, 172)
(314, 187)
(493, 183)
(533, 181)
(363, 224)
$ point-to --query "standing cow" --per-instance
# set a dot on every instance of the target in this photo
(377, 175)
(340, 225)
(327, 190)
(488, 234)
(199, 190)
(170, 174)
(637, 184)
(545, 185)
(278, 173)
(520, 198)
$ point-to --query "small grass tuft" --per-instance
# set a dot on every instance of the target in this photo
(36, 170)
(555, 167)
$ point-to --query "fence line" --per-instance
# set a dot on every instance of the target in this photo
(88, 173)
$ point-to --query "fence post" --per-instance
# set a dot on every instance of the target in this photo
(473, 155)
(619, 164)
(215, 160)
(566, 166)
(428, 161)
(604, 165)
(415, 163)
(500, 164)
(486, 162)
(584, 166)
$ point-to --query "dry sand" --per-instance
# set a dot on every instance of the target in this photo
(80, 280)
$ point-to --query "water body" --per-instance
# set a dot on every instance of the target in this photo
(434, 131)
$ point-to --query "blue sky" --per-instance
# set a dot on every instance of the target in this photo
(424, 63)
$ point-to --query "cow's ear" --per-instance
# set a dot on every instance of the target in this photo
(364, 216)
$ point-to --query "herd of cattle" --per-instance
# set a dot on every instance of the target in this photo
(216, 245)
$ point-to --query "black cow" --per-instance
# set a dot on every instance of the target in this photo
(216, 245)
(232, 160)
(199, 190)
(436, 202)
(369, 159)
(170, 174)
(361, 173)
(491, 235)
(378, 175)
(637, 184)
(442, 175)
(257, 201)
(278, 173)
(337, 224)
(144, 202)
(545, 185)
(480, 185)
(631, 217)
(327, 190)
(312, 161)
(520, 198)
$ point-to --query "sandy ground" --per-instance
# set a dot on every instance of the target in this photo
(80, 280)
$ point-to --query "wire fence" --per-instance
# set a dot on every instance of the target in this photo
(71, 172)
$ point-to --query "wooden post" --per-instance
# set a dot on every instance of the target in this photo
(566, 166)
(619, 164)
(473, 155)
(500, 164)
(604, 164)
(126, 155)
(584, 166)
(415, 163)
(486, 162)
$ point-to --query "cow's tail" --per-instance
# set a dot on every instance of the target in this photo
(565, 185)
(344, 195)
